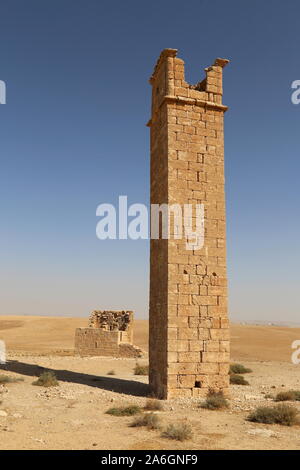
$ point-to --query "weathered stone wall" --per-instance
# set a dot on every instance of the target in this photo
(96, 342)
(110, 333)
(189, 330)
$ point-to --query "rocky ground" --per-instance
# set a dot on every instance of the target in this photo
(72, 415)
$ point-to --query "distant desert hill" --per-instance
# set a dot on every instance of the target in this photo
(43, 335)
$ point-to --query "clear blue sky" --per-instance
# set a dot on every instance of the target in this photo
(73, 135)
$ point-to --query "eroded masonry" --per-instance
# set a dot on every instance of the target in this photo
(110, 333)
(189, 330)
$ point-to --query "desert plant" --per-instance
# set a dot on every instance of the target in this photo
(296, 395)
(280, 414)
(46, 379)
(215, 401)
(124, 410)
(150, 421)
(178, 432)
(141, 370)
(111, 372)
(239, 369)
(237, 379)
(5, 379)
(153, 405)
(290, 395)
(285, 396)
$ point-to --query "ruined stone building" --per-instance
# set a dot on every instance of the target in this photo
(110, 333)
(189, 331)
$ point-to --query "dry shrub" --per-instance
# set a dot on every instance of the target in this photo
(290, 395)
(153, 405)
(237, 379)
(178, 432)
(124, 410)
(215, 401)
(239, 369)
(296, 395)
(280, 414)
(141, 370)
(5, 379)
(150, 421)
(46, 379)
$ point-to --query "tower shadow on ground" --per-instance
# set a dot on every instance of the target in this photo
(127, 387)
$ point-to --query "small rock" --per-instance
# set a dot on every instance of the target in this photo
(41, 441)
(262, 432)
(3, 413)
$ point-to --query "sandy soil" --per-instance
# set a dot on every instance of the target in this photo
(72, 415)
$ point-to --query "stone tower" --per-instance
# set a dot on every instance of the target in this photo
(189, 330)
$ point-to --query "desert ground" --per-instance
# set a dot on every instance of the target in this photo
(72, 415)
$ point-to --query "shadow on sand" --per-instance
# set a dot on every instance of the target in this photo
(127, 387)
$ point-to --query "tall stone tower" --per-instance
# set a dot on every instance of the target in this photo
(189, 330)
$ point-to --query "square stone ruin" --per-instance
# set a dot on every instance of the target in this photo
(110, 333)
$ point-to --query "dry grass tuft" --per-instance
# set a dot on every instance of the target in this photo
(239, 369)
(280, 414)
(178, 432)
(237, 379)
(153, 405)
(215, 401)
(46, 379)
(141, 370)
(290, 395)
(150, 421)
(5, 379)
(124, 410)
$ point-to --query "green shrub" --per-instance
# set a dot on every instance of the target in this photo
(215, 401)
(46, 379)
(5, 379)
(178, 432)
(238, 380)
(239, 369)
(141, 370)
(280, 414)
(124, 410)
(153, 405)
(150, 421)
